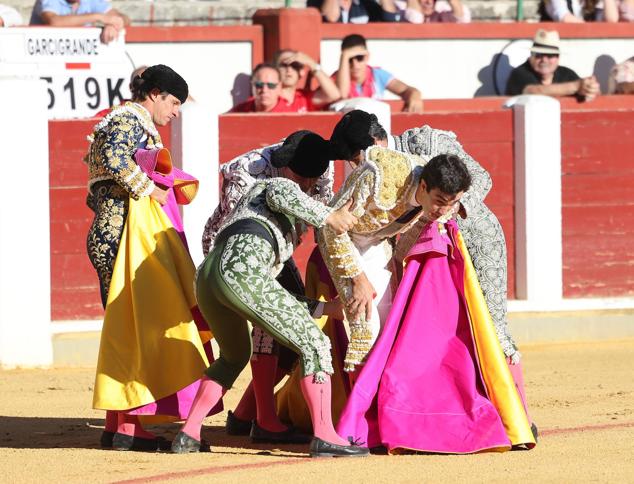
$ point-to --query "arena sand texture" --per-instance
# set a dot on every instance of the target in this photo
(581, 396)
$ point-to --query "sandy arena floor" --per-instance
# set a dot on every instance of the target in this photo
(581, 396)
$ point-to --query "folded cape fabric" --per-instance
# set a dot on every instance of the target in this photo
(150, 344)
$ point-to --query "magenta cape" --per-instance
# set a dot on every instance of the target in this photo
(421, 387)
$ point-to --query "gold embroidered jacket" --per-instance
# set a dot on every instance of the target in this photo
(382, 190)
(113, 144)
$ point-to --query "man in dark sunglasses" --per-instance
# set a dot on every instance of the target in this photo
(355, 78)
(293, 66)
(266, 88)
(542, 74)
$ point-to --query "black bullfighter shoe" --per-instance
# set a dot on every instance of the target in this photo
(321, 448)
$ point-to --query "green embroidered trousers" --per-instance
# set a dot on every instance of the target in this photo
(234, 285)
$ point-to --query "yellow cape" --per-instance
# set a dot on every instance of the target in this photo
(150, 346)
(497, 377)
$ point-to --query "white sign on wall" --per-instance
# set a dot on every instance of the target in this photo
(84, 75)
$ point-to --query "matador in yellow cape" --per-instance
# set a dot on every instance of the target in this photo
(151, 353)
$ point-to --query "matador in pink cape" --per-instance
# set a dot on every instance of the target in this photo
(428, 361)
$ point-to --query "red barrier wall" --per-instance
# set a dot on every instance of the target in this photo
(598, 210)
(251, 33)
(597, 166)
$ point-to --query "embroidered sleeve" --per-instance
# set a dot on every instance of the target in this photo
(285, 196)
(236, 182)
(115, 151)
(340, 255)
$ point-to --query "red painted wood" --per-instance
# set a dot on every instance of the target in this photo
(475, 30)
(75, 270)
(290, 28)
(240, 133)
(75, 304)
(597, 165)
(70, 220)
(598, 175)
(248, 33)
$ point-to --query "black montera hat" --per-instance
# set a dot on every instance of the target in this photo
(167, 80)
(304, 152)
(351, 134)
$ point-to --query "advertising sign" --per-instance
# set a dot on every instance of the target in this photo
(83, 75)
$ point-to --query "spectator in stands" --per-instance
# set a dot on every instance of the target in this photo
(622, 78)
(266, 87)
(619, 10)
(542, 74)
(355, 78)
(78, 13)
(578, 11)
(292, 65)
(9, 16)
(424, 11)
(347, 11)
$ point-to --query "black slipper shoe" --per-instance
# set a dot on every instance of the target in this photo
(129, 442)
(184, 444)
(237, 426)
(321, 448)
(106, 439)
(289, 436)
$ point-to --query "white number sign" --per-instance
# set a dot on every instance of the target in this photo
(83, 75)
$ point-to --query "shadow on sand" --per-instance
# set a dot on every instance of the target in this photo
(84, 433)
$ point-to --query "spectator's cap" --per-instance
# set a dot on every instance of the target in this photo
(546, 42)
(167, 80)
(351, 134)
(305, 153)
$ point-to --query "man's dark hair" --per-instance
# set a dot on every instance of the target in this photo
(265, 65)
(353, 40)
(447, 173)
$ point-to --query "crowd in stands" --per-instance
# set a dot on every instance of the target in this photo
(577, 11)
(295, 82)
(412, 11)
(275, 86)
(68, 13)
(430, 11)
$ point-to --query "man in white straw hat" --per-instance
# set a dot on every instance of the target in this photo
(542, 74)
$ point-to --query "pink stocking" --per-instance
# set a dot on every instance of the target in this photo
(264, 370)
(112, 421)
(318, 396)
(130, 425)
(518, 377)
(209, 393)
